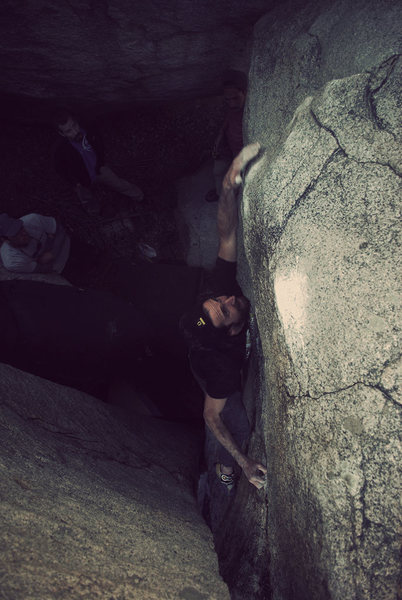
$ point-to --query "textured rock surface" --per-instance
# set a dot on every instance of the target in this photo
(322, 241)
(119, 52)
(95, 504)
(196, 218)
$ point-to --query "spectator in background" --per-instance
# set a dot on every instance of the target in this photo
(33, 244)
(230, 138)
(79, 158)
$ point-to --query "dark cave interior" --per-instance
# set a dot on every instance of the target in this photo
(153, 147)
(148, 77)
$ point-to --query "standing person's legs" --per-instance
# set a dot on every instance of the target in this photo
(110, 179)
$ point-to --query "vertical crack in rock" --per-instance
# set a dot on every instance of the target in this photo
(385, 393)
(395, 172)
(329, 130)
(374, 119)
(378, 78)
(276, 232)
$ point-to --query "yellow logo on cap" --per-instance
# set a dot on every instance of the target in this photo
(200, 322)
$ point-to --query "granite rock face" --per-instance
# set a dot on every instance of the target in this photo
(120, 53)
(321, 246)
(196, 218)
(95, 503)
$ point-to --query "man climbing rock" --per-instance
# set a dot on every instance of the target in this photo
(216, 332)
(79, 158)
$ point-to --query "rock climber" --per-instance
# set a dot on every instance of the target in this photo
(216, 334)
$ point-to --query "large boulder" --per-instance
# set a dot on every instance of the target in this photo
(321, 247)
(96, 503)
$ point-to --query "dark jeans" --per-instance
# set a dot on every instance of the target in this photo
(235, 418)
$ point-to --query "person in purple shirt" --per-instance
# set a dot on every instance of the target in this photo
(229, 142)
(79, 158)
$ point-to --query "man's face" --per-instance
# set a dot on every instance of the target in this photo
(20, 239)
(227, 311)
(71, 130)
(234, 98)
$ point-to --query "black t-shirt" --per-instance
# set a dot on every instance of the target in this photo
(217, 368)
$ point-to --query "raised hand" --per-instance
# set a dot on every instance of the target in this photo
(233, 178)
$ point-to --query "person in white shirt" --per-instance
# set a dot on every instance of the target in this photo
(33, 244)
